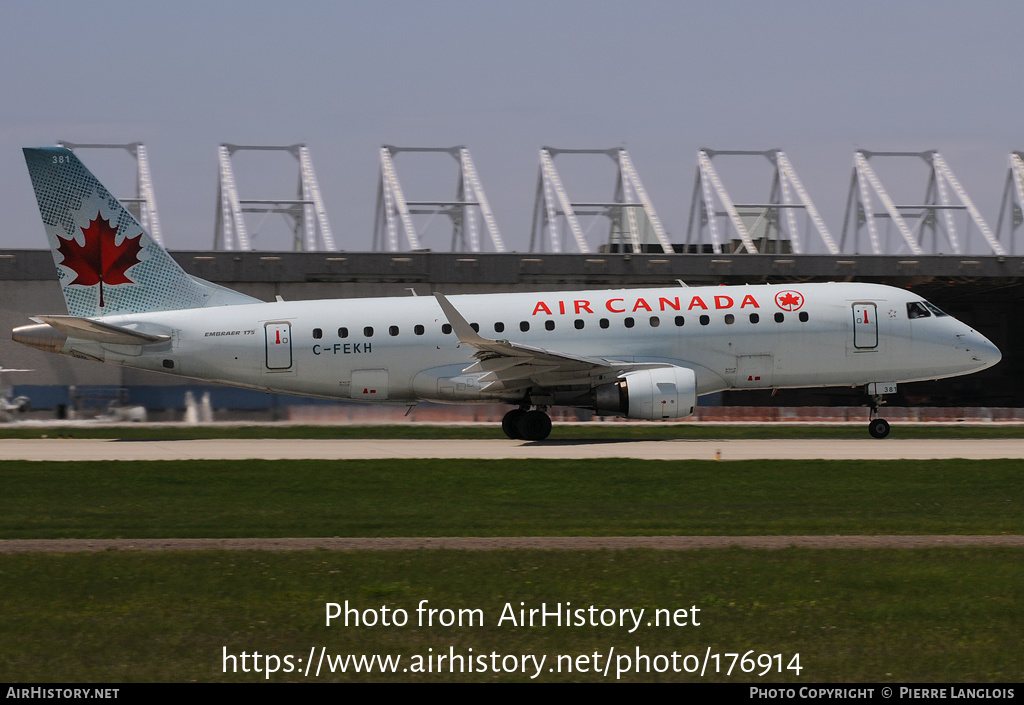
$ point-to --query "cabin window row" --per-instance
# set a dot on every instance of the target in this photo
(578, 324)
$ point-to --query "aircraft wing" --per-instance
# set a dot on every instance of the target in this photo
(88, 329)
(508, 366)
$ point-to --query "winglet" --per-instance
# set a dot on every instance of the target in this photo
(462, 329)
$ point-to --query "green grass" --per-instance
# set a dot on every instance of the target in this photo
(493, 431)
(927, 616)
(606, 497)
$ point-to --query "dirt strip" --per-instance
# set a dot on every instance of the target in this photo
(568, 543)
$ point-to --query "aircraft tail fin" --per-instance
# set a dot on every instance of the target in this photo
(106, 262)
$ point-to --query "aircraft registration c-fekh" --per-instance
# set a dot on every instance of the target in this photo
(639, 353)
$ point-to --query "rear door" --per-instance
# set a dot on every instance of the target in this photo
(279, 345)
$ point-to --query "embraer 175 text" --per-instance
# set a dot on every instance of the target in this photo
(639, 353)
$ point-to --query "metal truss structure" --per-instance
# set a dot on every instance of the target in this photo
(395, 212)
(770, 226)
(944, 221)
(1012, 206)
(932, 220)
(634, 222)
(143, 204)
(306, 213)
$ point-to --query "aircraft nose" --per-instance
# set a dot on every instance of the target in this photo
(982, 350)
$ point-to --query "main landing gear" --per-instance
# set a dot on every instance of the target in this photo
(522, 424)
(878, 428)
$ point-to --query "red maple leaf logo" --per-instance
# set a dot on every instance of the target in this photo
(99, 260)
(789, 300)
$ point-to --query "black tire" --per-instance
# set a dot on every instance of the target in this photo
(878, 428)
(535, 425)
(510, 423)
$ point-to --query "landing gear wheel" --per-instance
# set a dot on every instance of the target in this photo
(510, 423)
(534, 425)
(878, 428)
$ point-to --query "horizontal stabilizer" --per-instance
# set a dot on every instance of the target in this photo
(87, 329)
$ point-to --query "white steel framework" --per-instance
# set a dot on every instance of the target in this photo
(143, 204)
(635, 226)
(395, 212)
(306, 214)
(756, 227)
(933, 220)
(1011, 209)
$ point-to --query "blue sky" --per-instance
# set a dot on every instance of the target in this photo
(664, 78)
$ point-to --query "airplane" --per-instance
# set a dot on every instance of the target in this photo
(9, 407)
(639, 353)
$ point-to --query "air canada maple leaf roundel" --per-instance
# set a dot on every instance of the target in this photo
(99, 260)
(789, 300)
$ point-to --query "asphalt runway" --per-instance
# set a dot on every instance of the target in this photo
(359, 449)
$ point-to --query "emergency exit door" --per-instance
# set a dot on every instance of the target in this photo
(865, 326)
(279, 345)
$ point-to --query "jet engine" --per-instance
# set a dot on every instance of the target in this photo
(658, 393)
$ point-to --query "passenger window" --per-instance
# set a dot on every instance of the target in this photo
(628, 322)
(446, 328)
(604, 323)
(317, 334)
(475, 327)
(393, 331)
(916, 309)
(803, 316)
(524, 326)
(704, 320)
(779, 318)
(343, 332)
(550, 325)
(579, 324)
(368, 331)
(680, 321)
(418, 330)
(499, 327)
(754, 318)
(655, 321)
(729, 319)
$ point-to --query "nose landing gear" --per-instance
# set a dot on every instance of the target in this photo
(523, 424)
(878, 428)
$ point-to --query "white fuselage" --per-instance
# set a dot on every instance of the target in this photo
(398, 350)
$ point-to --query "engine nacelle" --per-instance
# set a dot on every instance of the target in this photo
(658, 393)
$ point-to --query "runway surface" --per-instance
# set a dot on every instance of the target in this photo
(349, 449)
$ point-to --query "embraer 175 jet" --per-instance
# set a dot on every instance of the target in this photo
(638, 353)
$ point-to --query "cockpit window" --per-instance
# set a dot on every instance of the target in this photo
(935, 309)
(917, 309)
